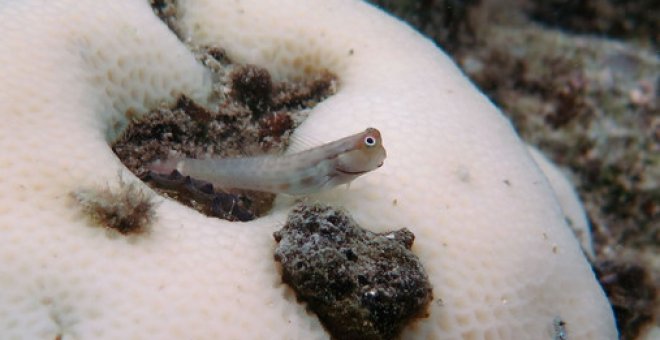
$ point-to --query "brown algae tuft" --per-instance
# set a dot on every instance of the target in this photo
(253, 87)
(126, 209)
(362, 285)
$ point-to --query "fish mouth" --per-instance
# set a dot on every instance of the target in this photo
(351, 172)
(347, 172)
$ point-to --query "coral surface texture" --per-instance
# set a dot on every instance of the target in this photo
(488, 228)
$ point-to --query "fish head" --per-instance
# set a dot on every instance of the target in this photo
(367, 154)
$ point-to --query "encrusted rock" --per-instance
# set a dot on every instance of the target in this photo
(362, 285)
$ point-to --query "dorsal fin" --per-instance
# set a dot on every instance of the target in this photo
(301, 143)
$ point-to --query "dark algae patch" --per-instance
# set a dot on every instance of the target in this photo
(249, 114)
(203, 197)
(252, 87)
(632, 292)
(447, 22)
(361, 285)
(638, 19)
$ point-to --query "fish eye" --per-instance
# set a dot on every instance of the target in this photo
(369, 141)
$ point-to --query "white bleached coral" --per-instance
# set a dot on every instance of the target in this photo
(489, 230)
(568, 199)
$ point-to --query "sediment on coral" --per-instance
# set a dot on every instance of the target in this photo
(361, 285)
(250, 114)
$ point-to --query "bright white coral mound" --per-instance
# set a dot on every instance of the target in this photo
(569, 202)
(503, 263)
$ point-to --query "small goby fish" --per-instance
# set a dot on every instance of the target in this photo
(312, 170)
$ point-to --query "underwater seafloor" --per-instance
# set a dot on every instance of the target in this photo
(580, 81)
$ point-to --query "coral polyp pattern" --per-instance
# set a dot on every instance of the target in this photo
(73, 74)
